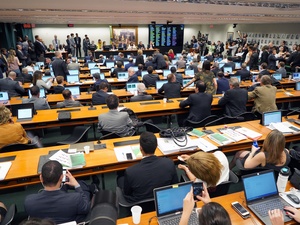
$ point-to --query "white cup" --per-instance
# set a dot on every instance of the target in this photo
(165, 100)
(290, 77)
(86, 149)
(136, 214)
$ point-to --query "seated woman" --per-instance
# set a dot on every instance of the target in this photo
(14, 132)
(38, 81)
(201, 162)
(273, 154)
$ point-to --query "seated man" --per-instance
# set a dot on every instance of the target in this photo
(263, 69)
(11, 86)
(100, 96)
(27, 78)
(243, 72)
(150, 79)
(55, 202)
(255, 84)
(264, 96)
(142, 95)
(178, 76)
(132, 76)
(223, 83)
(115, 121)
(281, 69)
(129, 64)
(171, 89)
(234, 99)
(199, 103)
(118, 69)
(98, 81)
(39, 103)
(58, 89)
(69, 100)
(139, 180)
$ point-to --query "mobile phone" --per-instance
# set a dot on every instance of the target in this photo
(128, 156)
(197, 189)
(244, 213)
(65, 178)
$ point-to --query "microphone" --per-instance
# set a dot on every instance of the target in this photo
(223, 119)
(99, 145)
(92, 107)
(290, 113)
(212, 122)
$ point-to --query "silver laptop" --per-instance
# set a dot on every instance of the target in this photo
(4, 97)
(169, 203)
(80, 146)
(261, 195)
(24, 114)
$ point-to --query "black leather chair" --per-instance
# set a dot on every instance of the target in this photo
(203, 122)
(79, 134)
(17, 147)
(151, 127)
(248, 116)
(10, 214)
(245, 171)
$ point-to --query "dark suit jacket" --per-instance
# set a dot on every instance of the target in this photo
(150, 79)
(264, 72)
(171, 90)
(229, 64)
(139, 60)
(77, 41)
(235, 101)
(223, 85)
(58, 89)
(244, 73)
(12, 87)
(253, 62)
(60, 68)
(159, 61)
(99, 97)
(68, 104)
(150, 173)
(200, 106)
(116, 70)
(39, 48)
(141, 97)
(264, 57)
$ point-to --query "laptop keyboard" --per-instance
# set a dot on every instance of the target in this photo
(176, 219)
(263, 208)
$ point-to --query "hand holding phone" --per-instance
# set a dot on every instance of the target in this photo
(197, 189)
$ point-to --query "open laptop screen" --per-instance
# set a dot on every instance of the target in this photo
(237, 65)
(24, 113)
(16, 107)
(298, 86)
(277, 76)
(42, 93)
(91, 65)
(74, 72)
(189, 72)
(296, 76)
(169, 199)
(227, 69)
(160, 83)
(166, 73)
(110, 64)
(4, 96)
(238, 77)
(94, 70)
(123, 75)
(185, 81)
(259, 185)
(75, 90)
(131, 87)
(271, 117)
(72, 78)
(144, 72)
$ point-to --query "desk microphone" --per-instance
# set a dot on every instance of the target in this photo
(92, 107)
(238, 118)
(99, 145)
(290, 113)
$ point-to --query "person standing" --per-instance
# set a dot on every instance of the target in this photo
(86, 44)
(78, 45)
(56, 43)
(72, 44)
(59, 66)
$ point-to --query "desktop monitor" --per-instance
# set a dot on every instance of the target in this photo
(75, 90)
(160, 83)
(297, 87)
(131, 87)
(189, 73)
(227, 69)
(16, 107)
(110, 64)
(122, 75)
(237, 65)
(94, 70)
(221, 65)
(238, 77)
(42, 93)
(144, 72)
(72, 78)
(166, 73)
(296, 76)
(277, 76)
(4, 96)
(74, 72)
(185, 81)
(271, 117)
(91, 65)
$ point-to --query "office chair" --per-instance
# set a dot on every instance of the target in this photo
(248, 116)
(151, 127)
(17, 147)
(222, 188)
(79, 134)
(10, 214)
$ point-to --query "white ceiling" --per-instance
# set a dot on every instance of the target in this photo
(144, 11)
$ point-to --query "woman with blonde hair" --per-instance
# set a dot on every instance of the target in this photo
(211, 168)
(139, 58)
(14, 132)
(166, 58)
(171, 54)
(13, 62)
(273, 154)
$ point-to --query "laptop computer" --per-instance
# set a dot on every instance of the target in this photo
(189, 73)
(277, 76)
(160, 83)
(24, 114)
(122, 75)
(166, 73)
(91, 65)
(4, 97)
(261, 195)
(16, 107)
(237, 76)
(237, 65)
(297, 86)
(144, 72)
(72, 78)
(73, 72)
(131, 87)
(94, 70)
(296, 76)
(110, 64)
(75, 90)
(185, 81)
(42, 93)
(169, 203)
(227, 69)
(271, 117)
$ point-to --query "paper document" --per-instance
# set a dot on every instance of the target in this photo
(4, 168)
(236, 136)
(220, 139)
(76, 160)
(197, 133)
(168, 146)
(249, 133)
(128, 152)
(205, 145)
(284, 127)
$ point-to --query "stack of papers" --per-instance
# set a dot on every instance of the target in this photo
(196, 133)
(249, 133)
(168, 146)
(284, 127)
(205, 145)
(128, 153)
(4, 168)
(236, 136)
(69, 161)
(220, 139)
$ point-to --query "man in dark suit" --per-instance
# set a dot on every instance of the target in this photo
(159, 61)
(59, 66)
(235, 99)
(223, 83)
(11, 86)
(253, 62)
(199, 103)
(171, 89)
(100, 96)
(264, 70)
(39, 48)
(22, 58)
(150, 79)
(142, 95)
(122, 46)
(243, 72)
(139, 180)
(229, 63)
(69, 100)
(77, 40)
(118, 69)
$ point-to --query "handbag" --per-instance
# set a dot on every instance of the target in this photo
(178, 134)
(295, 178)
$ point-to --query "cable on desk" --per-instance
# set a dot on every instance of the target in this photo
(149, 221)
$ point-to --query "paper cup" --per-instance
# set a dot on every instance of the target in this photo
(136, 214)
(86, 149)
(165, 100)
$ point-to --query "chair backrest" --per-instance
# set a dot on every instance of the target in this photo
(245, 171)
(80, 133)
(203, 122)
(10, 214)
(17, 147)
(248, 116)
(108, 135)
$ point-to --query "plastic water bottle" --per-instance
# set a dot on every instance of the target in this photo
(283, 179)
(255, 144)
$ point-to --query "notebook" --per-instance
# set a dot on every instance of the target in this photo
(24, 114)
(169, 203)
(261, 195)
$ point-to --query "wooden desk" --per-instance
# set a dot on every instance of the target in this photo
(224, 200)
(125, 52)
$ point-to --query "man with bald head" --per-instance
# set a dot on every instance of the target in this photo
(59, 66)
(11, 86)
